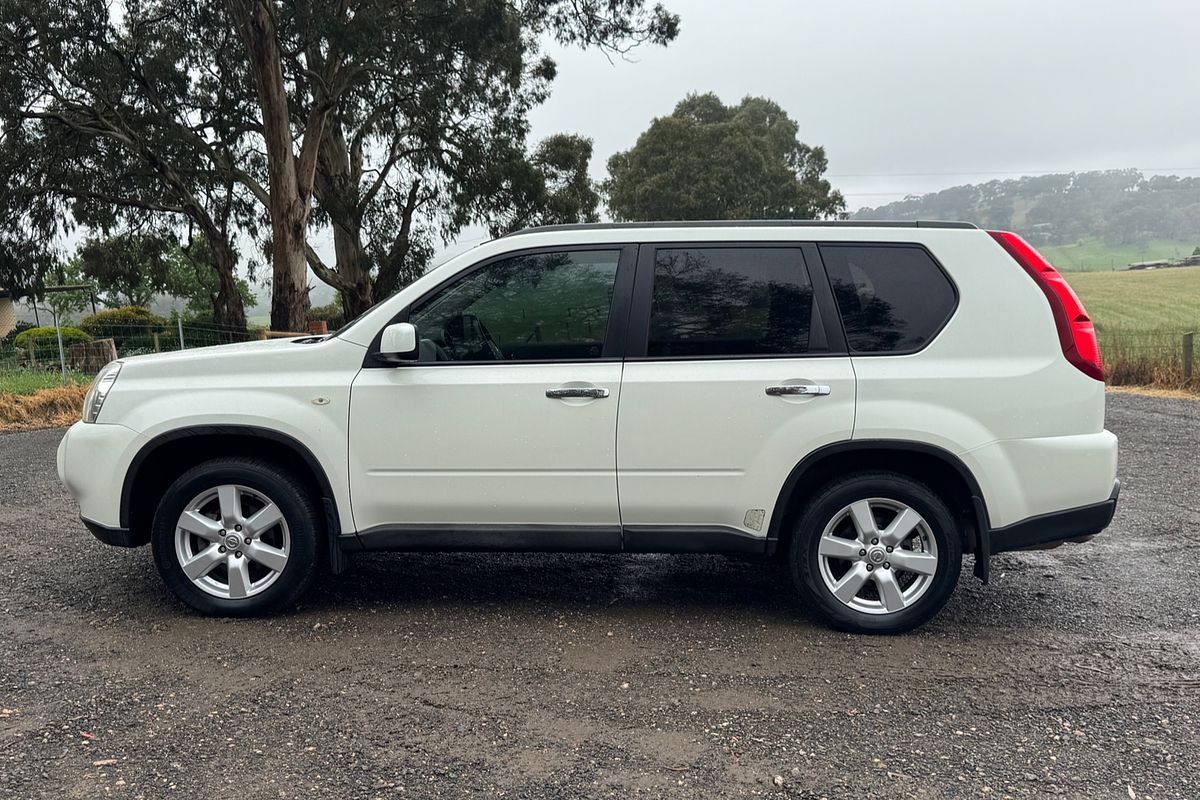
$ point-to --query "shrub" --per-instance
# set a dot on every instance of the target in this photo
(131, 328)
(122, 322)
(45, 340)
(332, 314)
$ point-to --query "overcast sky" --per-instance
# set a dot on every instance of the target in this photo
(897, 89)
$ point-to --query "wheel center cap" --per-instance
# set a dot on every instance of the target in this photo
(876, 555)
(233, 541)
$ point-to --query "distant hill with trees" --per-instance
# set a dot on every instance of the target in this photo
(1101, 218)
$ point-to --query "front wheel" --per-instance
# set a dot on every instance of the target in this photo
(236, 537)
(876, 553)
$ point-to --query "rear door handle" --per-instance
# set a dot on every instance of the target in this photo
(814, 389)
(595, 392)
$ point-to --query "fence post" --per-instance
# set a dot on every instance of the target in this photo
(32, 354)
(157, 344)
(62, 355)
(179, 319)
(1187, 354)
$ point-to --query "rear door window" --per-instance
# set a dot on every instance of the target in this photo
(892, 298)
(729, 301)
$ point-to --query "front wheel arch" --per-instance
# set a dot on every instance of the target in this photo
(168, 455)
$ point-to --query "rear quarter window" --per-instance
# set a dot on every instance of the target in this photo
(892, 298)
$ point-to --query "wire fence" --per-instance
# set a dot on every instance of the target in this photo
(63, 353)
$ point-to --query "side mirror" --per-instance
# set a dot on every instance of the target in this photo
(399, 342)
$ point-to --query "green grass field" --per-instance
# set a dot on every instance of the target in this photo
(1140, 321)
(1144, 300)
(1096, 256)
(19, 380)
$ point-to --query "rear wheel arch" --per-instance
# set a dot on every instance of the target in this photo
(168, 455)
(937, 468)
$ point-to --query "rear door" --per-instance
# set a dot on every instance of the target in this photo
(736, 370)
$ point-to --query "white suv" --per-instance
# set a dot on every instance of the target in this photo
(865, 402)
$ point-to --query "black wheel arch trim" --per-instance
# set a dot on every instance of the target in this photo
(329, 500)
(978, 506)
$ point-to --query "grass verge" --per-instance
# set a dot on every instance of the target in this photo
(25, 380)
(45, 408)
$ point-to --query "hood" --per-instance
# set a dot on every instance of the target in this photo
(258, 356)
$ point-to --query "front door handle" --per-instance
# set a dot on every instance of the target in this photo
(813, 389)
(595, 392)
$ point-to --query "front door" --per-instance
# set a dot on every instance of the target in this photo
(504, 433)
(737, 371)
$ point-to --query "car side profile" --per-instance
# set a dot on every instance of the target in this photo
(865, 402)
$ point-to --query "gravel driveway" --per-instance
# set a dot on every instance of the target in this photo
(1076, 673)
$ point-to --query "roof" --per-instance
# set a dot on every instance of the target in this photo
(729, 223)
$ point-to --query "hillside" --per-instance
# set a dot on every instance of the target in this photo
(1082, 221)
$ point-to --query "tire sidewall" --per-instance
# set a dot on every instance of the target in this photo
(805, 560)
(297, 511)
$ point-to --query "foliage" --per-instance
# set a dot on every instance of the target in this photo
(191, 278)
(119, 121)
(44, 337)
(1116, 207)
(550, 187)
(129, 269)
(711, 161)
(126, 321)
(429, 134)
(332, 313)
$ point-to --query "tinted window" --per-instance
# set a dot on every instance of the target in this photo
(892, 299)
(545, 306)
(729, 301)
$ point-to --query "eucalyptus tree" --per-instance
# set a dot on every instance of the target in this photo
(399, 123)
(114, 121)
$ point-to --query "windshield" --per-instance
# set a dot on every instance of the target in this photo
(359, 318)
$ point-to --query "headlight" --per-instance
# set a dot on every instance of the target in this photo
(94, 400)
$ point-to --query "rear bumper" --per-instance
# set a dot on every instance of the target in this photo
(117, 537)
(1043, 531)
(1057, 527)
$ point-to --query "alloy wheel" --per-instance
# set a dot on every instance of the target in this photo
(877, 556)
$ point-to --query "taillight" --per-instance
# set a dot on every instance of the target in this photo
(1076, 333)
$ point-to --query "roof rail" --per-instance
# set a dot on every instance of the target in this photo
(748, 223)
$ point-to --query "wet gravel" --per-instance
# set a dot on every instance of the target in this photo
(1075, 674)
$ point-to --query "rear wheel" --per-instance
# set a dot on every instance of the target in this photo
(236, 537)
(876, 553)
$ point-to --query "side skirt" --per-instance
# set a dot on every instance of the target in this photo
(556, 539)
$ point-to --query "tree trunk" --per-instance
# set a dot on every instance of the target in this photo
(290, 190)
(228, 310)
(354, 269)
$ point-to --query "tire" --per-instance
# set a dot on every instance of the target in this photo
(848, 577)
(229, 504)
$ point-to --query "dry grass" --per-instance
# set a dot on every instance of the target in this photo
(45, 408)
(1145, 358)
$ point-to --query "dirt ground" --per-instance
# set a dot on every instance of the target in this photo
(1075, 674)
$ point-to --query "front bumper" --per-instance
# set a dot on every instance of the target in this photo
(92, 461)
